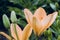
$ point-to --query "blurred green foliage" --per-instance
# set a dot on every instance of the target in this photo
(53, 33)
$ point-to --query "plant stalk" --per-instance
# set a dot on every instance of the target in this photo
(37, 38)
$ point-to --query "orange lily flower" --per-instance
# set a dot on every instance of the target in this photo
(18, 34)
(39, 21)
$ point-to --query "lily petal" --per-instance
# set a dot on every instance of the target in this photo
(26, 32)
(7, 36)
(48, 21)
(13, 32)
(53, 18)
(28, 15)
(36, 25)
(40, 13)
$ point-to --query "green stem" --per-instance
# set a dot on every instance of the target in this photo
(16, 31)
(37, 38)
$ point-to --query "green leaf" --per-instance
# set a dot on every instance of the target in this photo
(21, 22)
(35, 2)
(6, 21)
(52, 6)
(33, 36)
(18, 11)
(13, 17)
(45, 33)
(58, 37)
(15, 1)
(59, 12)
(57, 5)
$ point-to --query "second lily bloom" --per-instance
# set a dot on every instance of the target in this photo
(39, 21)
(18, 34)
